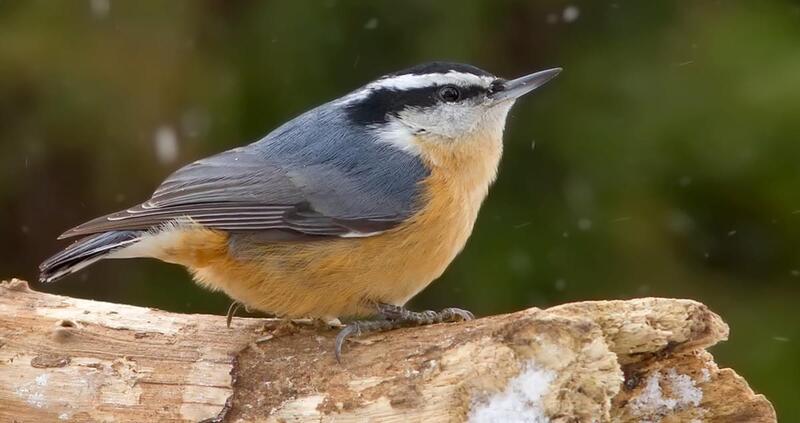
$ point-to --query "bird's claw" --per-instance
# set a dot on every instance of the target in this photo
(358, 328)
(232, 309)
(453, 314)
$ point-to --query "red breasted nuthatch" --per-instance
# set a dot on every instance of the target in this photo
(350, 209)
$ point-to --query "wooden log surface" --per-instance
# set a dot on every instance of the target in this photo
(68, 359)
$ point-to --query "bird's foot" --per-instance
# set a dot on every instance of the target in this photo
(395, 317)
(421, 318)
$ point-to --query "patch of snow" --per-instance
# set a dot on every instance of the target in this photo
(570, 13)
(41, 380)
(166, 144)
(33, 393)
(685, 389)
(519, 402)
(652, 401)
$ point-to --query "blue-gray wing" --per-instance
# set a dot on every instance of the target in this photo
(308, 177)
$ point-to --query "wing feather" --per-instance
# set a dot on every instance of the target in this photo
(304, 177)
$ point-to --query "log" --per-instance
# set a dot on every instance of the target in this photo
(68, 359)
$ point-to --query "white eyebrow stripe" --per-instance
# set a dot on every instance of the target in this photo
(411, 81)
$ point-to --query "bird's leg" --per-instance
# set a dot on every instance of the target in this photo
(394, 317)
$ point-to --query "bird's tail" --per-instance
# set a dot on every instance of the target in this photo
(85, 252)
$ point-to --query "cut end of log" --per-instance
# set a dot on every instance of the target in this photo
(623, 361)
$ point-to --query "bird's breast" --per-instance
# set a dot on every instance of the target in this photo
(461, 172)
(343, 276)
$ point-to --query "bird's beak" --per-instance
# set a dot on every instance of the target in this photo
(516, 88)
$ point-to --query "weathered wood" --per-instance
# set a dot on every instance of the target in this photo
(639, 360)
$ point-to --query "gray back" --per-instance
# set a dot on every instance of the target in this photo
(318, 174)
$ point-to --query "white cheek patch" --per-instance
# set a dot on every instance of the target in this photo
(452, 121)
(444, 120)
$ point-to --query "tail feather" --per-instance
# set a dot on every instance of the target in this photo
(85, 252)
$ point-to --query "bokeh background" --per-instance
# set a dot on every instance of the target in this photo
(664, 160)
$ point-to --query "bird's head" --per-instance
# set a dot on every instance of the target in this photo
(444, 101)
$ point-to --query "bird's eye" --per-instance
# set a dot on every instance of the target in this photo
(449, 93)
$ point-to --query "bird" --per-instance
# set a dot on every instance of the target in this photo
(346, 211)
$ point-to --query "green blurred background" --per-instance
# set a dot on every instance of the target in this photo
(664, 160)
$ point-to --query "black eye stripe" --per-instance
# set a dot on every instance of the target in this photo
(382, 103)
(471, 91)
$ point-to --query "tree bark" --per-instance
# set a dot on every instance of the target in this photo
(67, 359)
